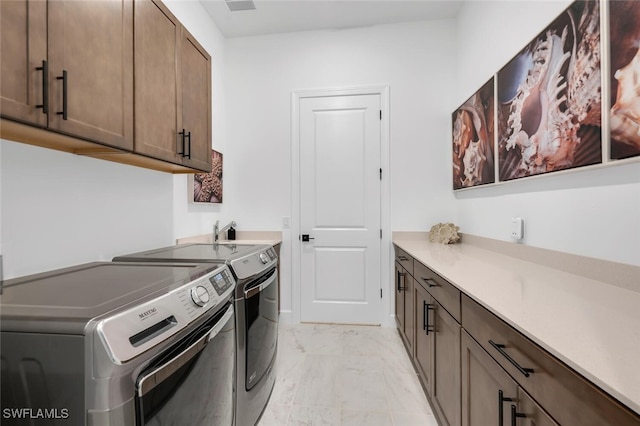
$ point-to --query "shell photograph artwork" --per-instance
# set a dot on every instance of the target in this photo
(473, 140)
(207, 187)
(625, 79)
(549, 98)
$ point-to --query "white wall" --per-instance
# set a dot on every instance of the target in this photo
(590, 212)
(60, 209)
(415, 60)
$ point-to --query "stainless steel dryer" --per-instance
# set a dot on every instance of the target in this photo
(119, 344)
(256, 303)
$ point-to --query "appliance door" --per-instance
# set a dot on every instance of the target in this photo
(261, 325)
(193, 382)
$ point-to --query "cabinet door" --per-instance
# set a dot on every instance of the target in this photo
(487, 391)
(424, 337)
(156, 45)
(196, 102)
(532, 414)
(23, 38)
(409, 312)
(401, 276)
(446, 367)
(92, 44)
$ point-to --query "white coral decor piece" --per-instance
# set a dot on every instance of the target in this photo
(444, 233)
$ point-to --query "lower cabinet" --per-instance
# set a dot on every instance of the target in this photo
(424, 338)
(404, 306)
(437, 355)
(477, 370)
(490, 396)
(446, 366)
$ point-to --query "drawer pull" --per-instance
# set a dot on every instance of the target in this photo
(501, 400)
(426, 307)
(430, 282)
(515, 415)
(500, 348)
(403, 259)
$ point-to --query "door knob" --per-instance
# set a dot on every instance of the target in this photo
(306, 238)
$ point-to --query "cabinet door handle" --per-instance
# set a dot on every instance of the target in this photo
(188, 155)
(182, 142)
(425, 314)
(430, 282)
(501, 400)
(426, 307)
(402, 258)
(45, 87)
(64, 78)
(398, 286)
(515, 415)
(402, 277)
(500, 348)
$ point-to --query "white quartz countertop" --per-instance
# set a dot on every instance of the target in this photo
(593, 326)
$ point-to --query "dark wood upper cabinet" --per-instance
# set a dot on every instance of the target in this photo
(172, 89)
(120, 80)
(196, 101)
(68, 66)
(23, 50)
(157, 38)
(92, 43)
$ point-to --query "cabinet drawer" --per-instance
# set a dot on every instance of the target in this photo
(405, 259)
(565, 395)
(441, 290)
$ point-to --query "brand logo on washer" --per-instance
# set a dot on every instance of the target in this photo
(148, 313)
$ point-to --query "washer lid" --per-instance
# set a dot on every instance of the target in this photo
(65, 300)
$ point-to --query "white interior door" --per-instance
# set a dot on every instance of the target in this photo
(340, 143)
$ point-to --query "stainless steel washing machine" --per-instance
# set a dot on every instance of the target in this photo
(256, 303)
(119, 344)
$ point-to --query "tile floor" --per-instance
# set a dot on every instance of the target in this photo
(337, 375)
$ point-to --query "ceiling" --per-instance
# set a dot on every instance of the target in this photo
(283, 16)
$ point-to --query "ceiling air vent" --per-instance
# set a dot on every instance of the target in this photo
(236, 5)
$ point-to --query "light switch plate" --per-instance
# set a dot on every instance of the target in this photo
(517, 228)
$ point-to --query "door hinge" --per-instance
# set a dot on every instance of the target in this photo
(380, 114)
(381, 234)
(380, 173)
(380, 293)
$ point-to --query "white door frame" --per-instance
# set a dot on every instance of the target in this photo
(386, 317)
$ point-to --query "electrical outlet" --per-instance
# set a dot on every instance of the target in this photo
(286, 222)
(517, 228)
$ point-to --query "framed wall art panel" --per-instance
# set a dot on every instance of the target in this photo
(207, 187)
(550, 99)
(624, 118)
(474, 139)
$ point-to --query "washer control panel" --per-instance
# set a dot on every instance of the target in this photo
(133, 331)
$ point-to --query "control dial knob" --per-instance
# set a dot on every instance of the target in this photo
(264, 258)
(200, 295)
